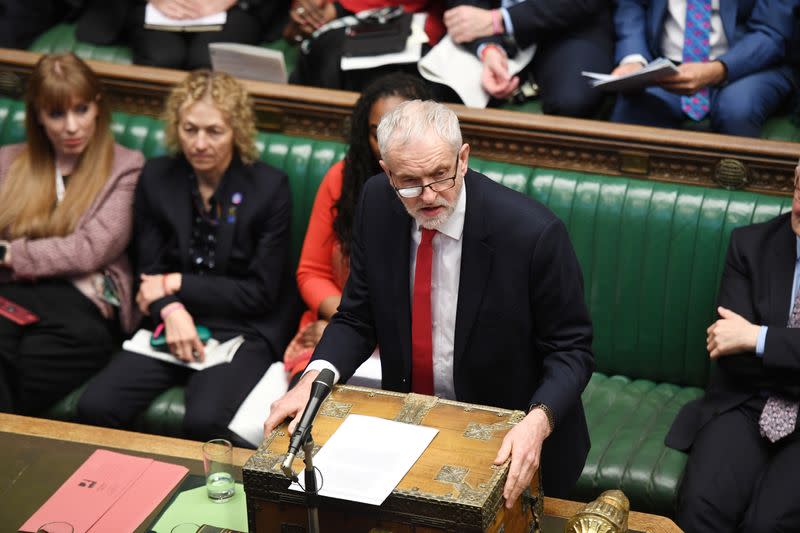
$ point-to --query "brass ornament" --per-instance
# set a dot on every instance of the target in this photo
(607, 514)
(731, 174)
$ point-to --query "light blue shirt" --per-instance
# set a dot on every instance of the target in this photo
(506, 17)
(762, 334)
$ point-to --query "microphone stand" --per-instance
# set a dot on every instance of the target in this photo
(312, 498)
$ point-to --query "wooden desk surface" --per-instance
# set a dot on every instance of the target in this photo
(190, 450)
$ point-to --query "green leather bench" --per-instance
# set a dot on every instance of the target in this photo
(651, 253)
(61, 38)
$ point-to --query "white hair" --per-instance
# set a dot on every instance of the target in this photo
(412, 120)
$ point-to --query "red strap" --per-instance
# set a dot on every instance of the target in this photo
(421, 334)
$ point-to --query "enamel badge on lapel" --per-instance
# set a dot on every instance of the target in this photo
(236, 199)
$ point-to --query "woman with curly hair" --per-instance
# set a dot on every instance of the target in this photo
(210, 249)
(323, 266)
(65, 221)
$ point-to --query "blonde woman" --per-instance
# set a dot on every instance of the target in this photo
(66, 198)
(211, 244)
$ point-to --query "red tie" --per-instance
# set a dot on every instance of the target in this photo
(421, 336)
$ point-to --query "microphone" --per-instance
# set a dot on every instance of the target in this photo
(319, 391)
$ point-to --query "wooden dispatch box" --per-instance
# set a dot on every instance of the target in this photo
(452, 487)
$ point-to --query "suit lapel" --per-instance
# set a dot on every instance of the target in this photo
(784, 251)
(727, 12)
(476, 264)
(179, 207)
(399, 261)
(231, 198)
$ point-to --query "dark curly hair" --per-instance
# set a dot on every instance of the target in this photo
(359, 163)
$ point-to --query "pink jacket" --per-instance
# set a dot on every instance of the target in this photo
(99, 241)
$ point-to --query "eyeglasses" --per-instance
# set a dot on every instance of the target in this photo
(436, 186)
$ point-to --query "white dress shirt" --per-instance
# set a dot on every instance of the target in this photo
(445, 276)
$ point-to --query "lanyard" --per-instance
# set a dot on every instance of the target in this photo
(59, 185)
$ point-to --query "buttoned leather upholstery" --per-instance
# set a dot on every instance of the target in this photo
(652, 256)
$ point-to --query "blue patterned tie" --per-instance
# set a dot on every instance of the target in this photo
(779, 416)
(695, 50)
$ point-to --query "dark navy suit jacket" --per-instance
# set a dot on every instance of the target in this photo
(523, 333)
(757, 284)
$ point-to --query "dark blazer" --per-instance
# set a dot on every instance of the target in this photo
(537, 21)
(757, 284)
(757, 32)
(254, 284)
(523, 333)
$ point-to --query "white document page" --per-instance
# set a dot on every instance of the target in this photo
(248, 422)
(367, 457)
(215, 353)
(154, 17)
(644, 77)
(455, 66)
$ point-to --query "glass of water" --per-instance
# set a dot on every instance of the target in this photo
(218, 463)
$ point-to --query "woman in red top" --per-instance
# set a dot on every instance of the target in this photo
(318, 65)
(323, 266)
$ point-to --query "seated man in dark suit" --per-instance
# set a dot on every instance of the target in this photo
(732, 56)
(570, 37)
(744, 457)
(498, 315)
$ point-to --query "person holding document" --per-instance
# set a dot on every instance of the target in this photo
(473, 292)
(65, 222)
(731, 56)
(211, 245)
(570, 37)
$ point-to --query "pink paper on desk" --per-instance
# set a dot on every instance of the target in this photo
(97, 485)
(141, 498)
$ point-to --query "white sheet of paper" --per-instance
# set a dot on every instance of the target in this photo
(248, 422)
(154, 17)
(461, 70)
(248, 62)
(644, 77)
(366, 457)
(215, 353)
(411, 54)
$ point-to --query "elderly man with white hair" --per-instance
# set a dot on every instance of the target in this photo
(473, 293)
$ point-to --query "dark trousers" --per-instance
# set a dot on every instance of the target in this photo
(556, 68)
(187, 50)
(736, 480)
(131, 381)
(41, 363)
(737, 108)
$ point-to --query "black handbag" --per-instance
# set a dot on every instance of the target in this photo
(383, 32)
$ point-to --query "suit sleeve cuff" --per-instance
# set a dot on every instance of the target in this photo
(158, 305)
(507, 21)
(320, 365)
(761, 341)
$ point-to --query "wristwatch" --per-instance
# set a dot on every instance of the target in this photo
(547, 412)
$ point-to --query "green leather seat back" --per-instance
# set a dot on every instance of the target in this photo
(652, 256)
(61, 38)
